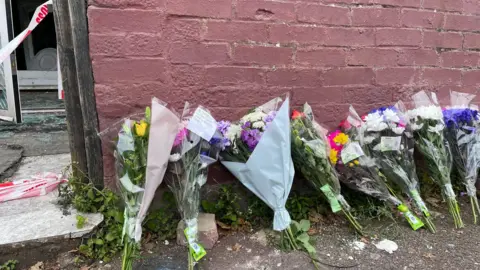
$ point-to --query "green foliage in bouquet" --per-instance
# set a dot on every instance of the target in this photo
(310, 157)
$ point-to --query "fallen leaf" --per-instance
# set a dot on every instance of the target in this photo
(315, 217)
(37, 266)
(364, 240)
(433, 201)
(236, 247)
(223, 225)
(429, 255)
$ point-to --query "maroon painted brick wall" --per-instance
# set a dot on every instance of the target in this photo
(232, 54)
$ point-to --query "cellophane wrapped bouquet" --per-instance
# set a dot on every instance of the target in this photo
(359, 170)
(187, 171)
(257, 152)
(142, 149)
(390, 142)
(310, 154)
(427, 124)
(463, 134)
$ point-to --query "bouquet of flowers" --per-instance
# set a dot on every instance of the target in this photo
(426, 121)
(310, 156)
(257, 152)
(141, 155)
(388, 139)
(358, 168)
(187, 171)
(463, 134)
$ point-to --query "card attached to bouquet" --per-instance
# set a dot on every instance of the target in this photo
(203, 124)
(414, 221)
(390, 143)
(351, 151)
(334, 204)
(197, 251)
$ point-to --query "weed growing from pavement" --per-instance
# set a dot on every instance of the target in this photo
(9, 265)
(106, 240)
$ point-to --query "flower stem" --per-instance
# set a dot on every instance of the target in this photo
(475, 208)
(190, 261)
(291, 238)
(353, 221)
(455, 212)
(429, 223)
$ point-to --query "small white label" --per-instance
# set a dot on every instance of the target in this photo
(390, 143)
(351, 151)
(203, 124)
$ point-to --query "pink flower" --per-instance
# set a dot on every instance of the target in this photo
(180, 136)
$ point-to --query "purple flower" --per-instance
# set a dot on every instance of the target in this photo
(270, 116)
(223, 126)
(251, 137)
(246, 125)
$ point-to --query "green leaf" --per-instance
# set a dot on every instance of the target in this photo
(303, 238)
(309, 248)
(90, 194)
(99, 242)
(305, 225)
(109, 237)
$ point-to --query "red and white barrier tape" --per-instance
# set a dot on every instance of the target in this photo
(40, 13)
(38, 185)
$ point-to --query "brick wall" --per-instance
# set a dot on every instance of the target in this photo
(232, 54)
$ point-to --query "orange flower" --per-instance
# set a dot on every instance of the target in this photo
(296, 114)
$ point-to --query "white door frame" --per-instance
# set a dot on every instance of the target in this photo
(13, 113)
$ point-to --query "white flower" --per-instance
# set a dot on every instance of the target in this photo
(426, 112)
(253, 117)
(416, 127)
(373, 117)
(437, 129)
(174, 157)
(258, 124)
(375, 122)
(369, 139)
(376, 126)
(398, 130)
(390, 115)
(233, 132)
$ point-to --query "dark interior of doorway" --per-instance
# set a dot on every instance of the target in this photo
(38, 101)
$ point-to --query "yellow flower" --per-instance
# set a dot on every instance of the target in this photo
(341, 138)
(350, 164)
(333, 156)
(141, 128)
(356, 162)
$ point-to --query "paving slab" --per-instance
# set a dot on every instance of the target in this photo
(10, 156)
(40, 219)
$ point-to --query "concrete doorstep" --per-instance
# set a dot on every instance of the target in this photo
(40, 219)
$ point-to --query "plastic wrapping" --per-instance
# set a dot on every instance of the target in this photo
(310, 154)
(141, 151)
(386, 137)
(260, 156)
(427, 124)
(463, 134)
(188, 167)
(357, 165)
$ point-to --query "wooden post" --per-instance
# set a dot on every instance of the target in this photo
(72, 100)
(93, 147)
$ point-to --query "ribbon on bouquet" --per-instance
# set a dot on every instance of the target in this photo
(39, 185)
(38, 16)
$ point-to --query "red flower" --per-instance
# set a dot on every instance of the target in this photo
(296, 114)
(345, 125)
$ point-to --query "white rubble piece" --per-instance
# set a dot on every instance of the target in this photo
(387, 245)
(40, 219)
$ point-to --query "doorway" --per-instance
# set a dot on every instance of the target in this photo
(33, 64)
